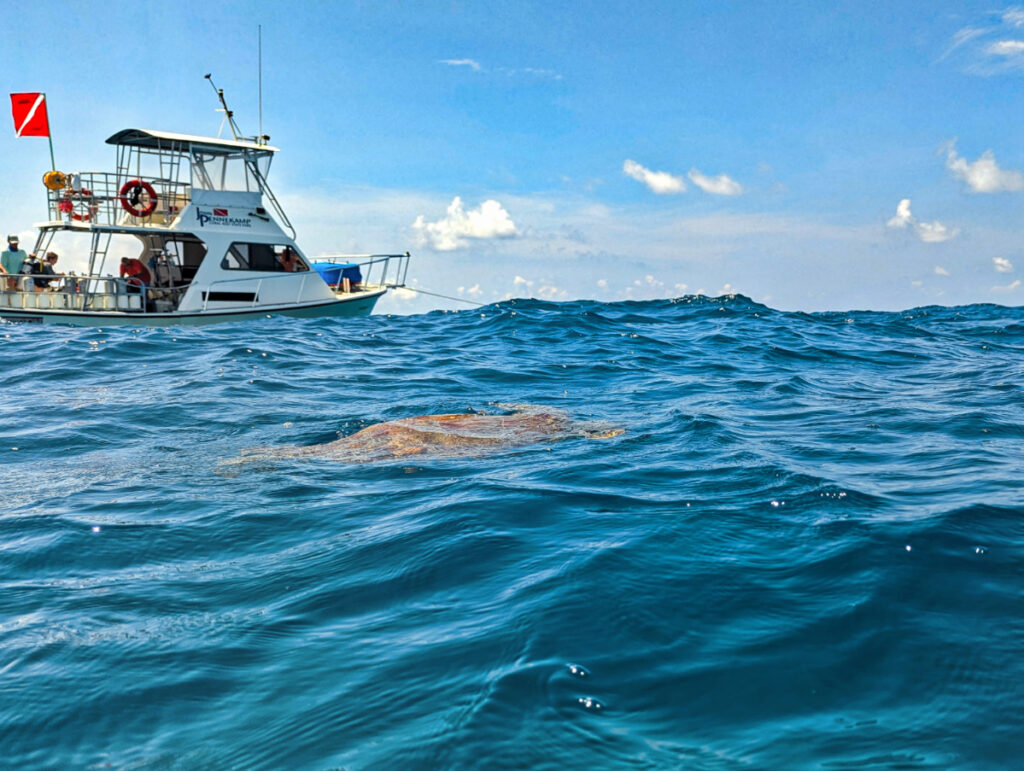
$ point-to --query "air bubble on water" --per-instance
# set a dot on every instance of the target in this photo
(907, 547)
(95, 528)
(588, 703)
(288, 424)
(979, 550)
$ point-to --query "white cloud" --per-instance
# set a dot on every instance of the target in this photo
(489, 220)
(720, 185)
(1013, 16)
(603, 283)
(549, 292)
(650, 281)
(941, 271)
(983, 175)
(520, 281)
(1002, 264)
(1008, 288)
(903, 216)
(680, 288)
(542, 73)
(473, 291)
(471, 63)
(935, 232)
(991, 48)
(661, 182)
(929, 232)
(1005, 48)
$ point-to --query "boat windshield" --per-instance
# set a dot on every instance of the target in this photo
(218, 171)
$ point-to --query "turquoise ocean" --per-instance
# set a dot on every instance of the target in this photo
(805, 551)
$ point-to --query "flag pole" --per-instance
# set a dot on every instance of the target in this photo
(49, 135)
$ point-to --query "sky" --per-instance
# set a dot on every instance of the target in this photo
(811, 156)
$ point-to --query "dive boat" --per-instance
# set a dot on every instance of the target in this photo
(199, 216)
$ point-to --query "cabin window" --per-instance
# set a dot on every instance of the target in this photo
(263, 257)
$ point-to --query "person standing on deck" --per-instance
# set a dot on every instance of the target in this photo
(11, 260)
(133, 268)
(32, 267)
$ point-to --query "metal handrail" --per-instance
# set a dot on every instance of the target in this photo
(95, 199)
(81, 291)
(259, 285)
(369, 261)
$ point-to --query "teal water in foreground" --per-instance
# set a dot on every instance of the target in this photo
(805, 551)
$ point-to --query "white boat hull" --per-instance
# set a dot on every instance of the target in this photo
(349, 306)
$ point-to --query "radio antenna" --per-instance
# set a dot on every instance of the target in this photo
(259, 63)
(228, 115)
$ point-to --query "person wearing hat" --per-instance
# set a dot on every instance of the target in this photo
(11, 260)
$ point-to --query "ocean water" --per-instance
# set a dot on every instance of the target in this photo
(806, 550)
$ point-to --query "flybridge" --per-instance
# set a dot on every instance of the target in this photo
(156, 177)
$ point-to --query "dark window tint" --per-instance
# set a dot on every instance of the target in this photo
(264, 257)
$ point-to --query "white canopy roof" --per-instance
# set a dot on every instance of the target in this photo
(166, 140)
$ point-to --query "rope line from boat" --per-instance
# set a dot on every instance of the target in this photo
(445, 296)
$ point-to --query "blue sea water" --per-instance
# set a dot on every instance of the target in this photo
(805, 550)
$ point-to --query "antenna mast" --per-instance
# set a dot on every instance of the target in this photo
(229, 116)
(259, 57)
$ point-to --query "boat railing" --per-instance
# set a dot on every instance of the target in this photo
(308, 280)
(379, 271)
(112, 200)
(95, 294)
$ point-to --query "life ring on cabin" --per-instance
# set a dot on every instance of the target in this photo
(66, 205)
(131, 197)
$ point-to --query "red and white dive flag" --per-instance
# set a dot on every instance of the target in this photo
(30, 115)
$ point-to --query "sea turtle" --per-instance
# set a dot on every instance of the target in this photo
(441, 436)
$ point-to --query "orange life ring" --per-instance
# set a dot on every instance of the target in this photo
(66, 205)
(132, 203)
